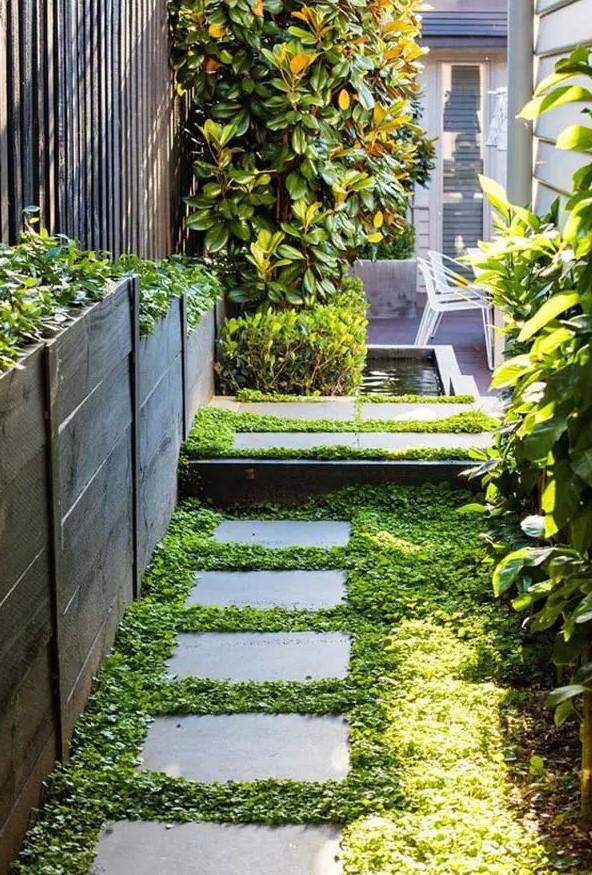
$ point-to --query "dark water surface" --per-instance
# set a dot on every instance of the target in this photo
(400, 376)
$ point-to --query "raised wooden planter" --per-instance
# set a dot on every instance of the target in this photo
(90, 430)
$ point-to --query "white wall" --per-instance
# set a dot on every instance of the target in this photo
(560, 25)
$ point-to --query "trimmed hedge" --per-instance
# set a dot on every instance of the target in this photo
(321, 350)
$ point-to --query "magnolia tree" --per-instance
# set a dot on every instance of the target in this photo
(311, 146)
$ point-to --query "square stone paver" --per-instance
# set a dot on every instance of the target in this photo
(248, 747)
(408, 440)
(261, 656)
(337, 408)
(283, 533)
(423, 412)
(152, 848)
(302, 590)
(293, 440)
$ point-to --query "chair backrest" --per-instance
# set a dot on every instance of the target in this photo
(428, 278)
(443, 287)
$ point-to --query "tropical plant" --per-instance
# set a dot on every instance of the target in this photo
(540, 272)
(397, 248)
(311, 145)
(319, 350)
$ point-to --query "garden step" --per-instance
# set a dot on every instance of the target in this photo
(151, 848)
(361, 440)
(332, 408)
(272, 656)
(248, 747)
(422, 412)
(283, 533)
(302, 590)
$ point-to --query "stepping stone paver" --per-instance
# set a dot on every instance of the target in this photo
(268, 656)
(302, 590)
(248, 747)
(262, 440)
(152, 848)
(362, 440)
(409, 440)
(423, 412)
(331, 409)
(283, 533)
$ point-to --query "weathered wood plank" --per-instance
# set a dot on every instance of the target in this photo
(22, 416)
(89, 435)
(88, 527)
(25, 619)
(200, 363)
(90, 347)
(25, 729)
(161, 431)
(157, 351)
(24, 526)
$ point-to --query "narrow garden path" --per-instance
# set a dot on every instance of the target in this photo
(325, 689)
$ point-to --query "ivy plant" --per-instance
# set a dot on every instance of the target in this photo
(310, 139)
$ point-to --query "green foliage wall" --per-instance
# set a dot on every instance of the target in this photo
(540, 273)
(311, 145)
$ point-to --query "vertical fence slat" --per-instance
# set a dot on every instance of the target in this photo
(89, 123)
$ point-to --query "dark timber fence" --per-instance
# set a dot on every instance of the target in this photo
(91, 426)
(90, 129)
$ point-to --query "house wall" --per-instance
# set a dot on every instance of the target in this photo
(428, 208)
(560, 26)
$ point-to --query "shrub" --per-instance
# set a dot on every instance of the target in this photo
(399, 247)
(321, 350)
(311, 145)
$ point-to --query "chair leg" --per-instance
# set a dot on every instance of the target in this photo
(420, 337)
(488, 334)
(435, 325)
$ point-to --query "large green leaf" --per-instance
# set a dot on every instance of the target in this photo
(549, 311)
(577, 137)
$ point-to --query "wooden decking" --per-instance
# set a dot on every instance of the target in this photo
(463, 331)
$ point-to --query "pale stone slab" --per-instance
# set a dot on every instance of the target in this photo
(305, 440)
(412, 440)
(283, 533)
(302, 590)
(363, 440)
(261, 656)
(331, 408)
(152, 848)
(248, 747)
(421, 412)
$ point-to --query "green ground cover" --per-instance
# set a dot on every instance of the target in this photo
(253, 395)
(214, 430)
(436, 678)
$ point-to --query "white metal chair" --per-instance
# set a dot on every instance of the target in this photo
(449, 292)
